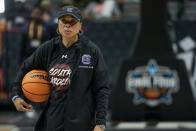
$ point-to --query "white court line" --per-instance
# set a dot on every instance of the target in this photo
(160, 125)
(128, 125)
(8, 128)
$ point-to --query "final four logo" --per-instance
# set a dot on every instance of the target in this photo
(152, 84)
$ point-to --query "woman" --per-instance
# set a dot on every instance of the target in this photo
(80, 103)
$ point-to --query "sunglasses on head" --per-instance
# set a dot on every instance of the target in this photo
(71, 22)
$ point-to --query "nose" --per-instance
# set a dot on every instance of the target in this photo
(67, 25)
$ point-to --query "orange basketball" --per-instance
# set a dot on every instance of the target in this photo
(35, 86)
(152, 94)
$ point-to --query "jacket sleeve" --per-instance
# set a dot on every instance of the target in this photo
(36, 61)
(101, 89)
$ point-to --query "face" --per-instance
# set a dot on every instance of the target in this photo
(36, 14)
(68, 26)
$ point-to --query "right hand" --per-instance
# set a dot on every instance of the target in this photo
(21, 105)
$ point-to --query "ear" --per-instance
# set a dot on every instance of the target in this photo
(81, 32)
(57, 31)
(81, 25)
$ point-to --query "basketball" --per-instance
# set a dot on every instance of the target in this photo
(35, 86)
(152, 94)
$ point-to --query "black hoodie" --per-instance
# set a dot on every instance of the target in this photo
(79, 84)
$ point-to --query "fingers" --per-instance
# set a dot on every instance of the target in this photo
(23, 108)
(21, 105)
(26, 105)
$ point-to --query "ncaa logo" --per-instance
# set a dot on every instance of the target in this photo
(86, 59)
(152, 84)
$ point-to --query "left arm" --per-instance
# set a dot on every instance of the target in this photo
(101, 90)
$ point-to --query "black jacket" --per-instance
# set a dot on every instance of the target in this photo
(81, 105)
